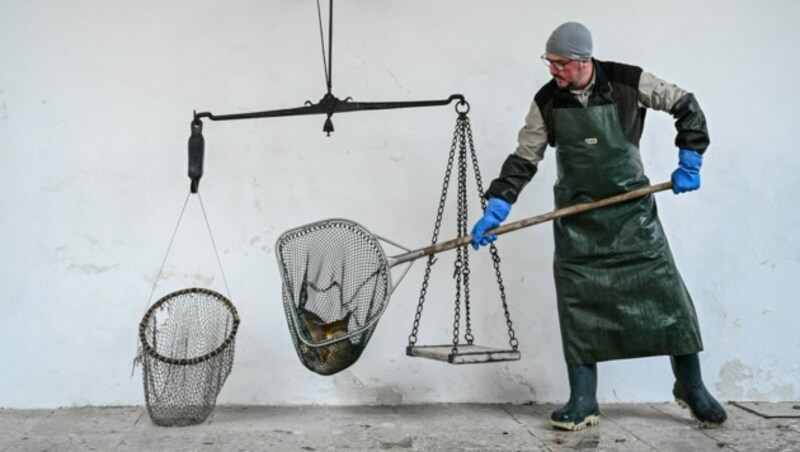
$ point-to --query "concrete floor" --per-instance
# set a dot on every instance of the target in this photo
(623, 427)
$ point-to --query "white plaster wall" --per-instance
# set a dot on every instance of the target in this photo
(95, 103)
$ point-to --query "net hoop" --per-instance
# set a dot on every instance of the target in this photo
(147, 348)
(323, 224)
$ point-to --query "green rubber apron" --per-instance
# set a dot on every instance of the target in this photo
(619, 292)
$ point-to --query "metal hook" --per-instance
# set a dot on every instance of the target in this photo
(196, 152)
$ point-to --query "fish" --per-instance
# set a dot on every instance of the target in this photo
(332, 358)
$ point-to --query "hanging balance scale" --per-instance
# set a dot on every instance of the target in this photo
(309, 330)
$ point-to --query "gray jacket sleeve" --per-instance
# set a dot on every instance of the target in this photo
(690, 121)
(657, 94)
(532, 137)
(519, 167)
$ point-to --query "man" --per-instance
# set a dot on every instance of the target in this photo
(619, 292)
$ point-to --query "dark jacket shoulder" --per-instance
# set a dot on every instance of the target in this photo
(623, 74)
(614, 83)
(605, 72)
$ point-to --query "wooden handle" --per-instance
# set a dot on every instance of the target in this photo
(524, 223)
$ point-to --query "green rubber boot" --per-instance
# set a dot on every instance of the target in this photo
(690, 392)
(581, 410)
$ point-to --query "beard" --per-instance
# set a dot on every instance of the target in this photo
(576, 76)
(564, 84)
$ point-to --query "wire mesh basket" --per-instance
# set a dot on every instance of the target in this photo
(187, 347)
(335, 286)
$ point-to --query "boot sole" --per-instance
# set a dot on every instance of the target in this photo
(701, 424)
(589, 421)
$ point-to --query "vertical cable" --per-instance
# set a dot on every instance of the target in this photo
(138, 358)
(164, 261)
(322, 43)
(330, 46)
(213, 244)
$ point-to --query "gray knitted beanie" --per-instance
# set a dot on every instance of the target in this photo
(571, 40)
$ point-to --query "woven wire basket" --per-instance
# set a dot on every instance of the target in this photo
(335, 286)
(188, 342)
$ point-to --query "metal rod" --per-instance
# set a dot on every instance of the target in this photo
(307, 110)
(329, 105)
(322, 43)
(330, 46)
(530, 221)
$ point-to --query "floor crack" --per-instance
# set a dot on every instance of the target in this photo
(703, 431)
(139, 418)
(631, 433)
(512, 415)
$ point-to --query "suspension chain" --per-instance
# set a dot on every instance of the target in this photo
(412, 338)
(461, 224)
(457, 273)
(463, 209)
(512, 335)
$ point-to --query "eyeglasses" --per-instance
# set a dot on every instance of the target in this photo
(559, 65)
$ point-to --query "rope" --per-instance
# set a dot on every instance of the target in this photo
(171, 240)
(137, 358)
(322, 44)
(330, 45)
(213, 244)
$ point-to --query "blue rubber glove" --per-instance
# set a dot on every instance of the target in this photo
(496, 211)
(687, 176)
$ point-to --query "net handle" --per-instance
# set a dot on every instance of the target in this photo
(530, 221)
(147, 348)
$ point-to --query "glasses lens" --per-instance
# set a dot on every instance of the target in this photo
(548, 63)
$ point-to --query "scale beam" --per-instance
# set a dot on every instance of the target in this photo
(329, 105)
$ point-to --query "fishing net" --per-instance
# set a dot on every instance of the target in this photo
(187, 340)
(335, 287)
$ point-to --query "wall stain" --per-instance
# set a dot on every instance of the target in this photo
(347, 383)
(738, 382)
(388, 395)
(732, 376)
(519, 381)
(89, 269)
(203, 281)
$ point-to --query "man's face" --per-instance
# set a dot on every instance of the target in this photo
(569, 74)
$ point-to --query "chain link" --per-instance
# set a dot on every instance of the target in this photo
(412, 338)
(457, 316)
(475, 167)
(512, 335)
(461, 224)
(463, 210)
